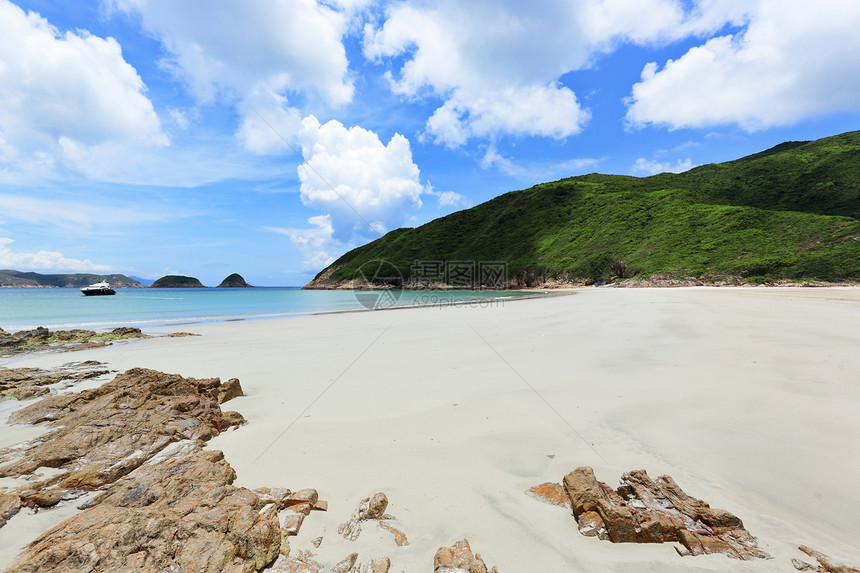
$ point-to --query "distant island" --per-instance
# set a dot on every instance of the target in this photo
(790, 213)
(234, 281)
(11, 278)
(177, 281)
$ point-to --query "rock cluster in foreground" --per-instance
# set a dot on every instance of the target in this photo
(641, 510)
(104, 433)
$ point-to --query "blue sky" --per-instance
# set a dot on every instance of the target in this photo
(154, 137)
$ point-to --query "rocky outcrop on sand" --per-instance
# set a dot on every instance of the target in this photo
(826, 564)
(234, 281)
(459, 559)
(641, 510)
(24, 383)
(104, 433)
(371, 509)
(41, 338)
(181, 514)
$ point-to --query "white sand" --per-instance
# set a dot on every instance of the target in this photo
(749, 398)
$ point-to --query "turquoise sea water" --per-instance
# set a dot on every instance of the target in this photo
(58, 308)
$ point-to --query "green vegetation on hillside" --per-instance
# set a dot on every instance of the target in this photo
(234, 281)
(10, 278)
(791, 212)
(176, 281)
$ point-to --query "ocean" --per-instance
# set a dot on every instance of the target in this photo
(65, 308)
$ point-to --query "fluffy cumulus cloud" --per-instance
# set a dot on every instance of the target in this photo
(43, 260)
(66, 97)
(497, 64)
(366, 185)
(255, 53)
(794, 60)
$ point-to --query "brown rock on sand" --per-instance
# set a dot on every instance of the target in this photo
(459, 559)
(177, 514)
(644, 511)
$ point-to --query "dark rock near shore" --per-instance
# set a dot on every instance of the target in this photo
(41, 338)
(641, 510)
(234, 281)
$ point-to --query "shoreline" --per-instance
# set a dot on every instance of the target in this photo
(746, 396)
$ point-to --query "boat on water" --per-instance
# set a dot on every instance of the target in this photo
(97, 289)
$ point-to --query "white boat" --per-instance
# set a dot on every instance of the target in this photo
(96, 289)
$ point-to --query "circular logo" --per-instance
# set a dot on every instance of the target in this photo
(378, 284)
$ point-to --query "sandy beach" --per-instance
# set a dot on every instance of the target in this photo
(747, 397)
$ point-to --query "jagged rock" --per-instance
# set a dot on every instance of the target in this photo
(302, 562)
(107, 432)
(644, 511)
(316, 542)
(552, 493)
(459, 559)
(10, 504)
(399, 537)
(229, 390)
(347, 565)
(826, 564)
(24, 383)
(181, 513)
(181, 334)
(370, 508)
(380, 565)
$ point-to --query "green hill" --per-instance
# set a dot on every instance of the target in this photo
(176, 281)
(10, 278)
(791, 212)
(234, 281)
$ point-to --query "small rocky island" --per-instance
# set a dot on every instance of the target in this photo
(177, 281)
(234, 281)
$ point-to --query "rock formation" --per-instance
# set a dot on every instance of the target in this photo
(175, 514)
(371, 509)
(826, 564)
(104, 433)
(234, 281)
(41, 338)
(24, 383)
(459, 559)
(644, 511)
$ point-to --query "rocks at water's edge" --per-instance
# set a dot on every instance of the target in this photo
(41, 338)
(176, 281)
(234, 281)
(644, 511)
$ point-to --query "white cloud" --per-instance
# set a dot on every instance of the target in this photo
(66, 96)
(315, 243)
(496, 63)
(644, 166)
(255, 53)
(43, 261)
(448, 198)
(363, 184)
(69, 214)
(794, 61)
